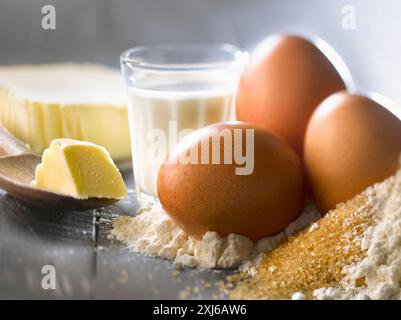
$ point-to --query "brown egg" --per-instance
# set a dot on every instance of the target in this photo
(286, 79)
(259, 202)
(351, 143)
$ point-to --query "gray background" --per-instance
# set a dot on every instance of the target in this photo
(99, 30)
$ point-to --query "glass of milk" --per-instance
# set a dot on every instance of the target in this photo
(174, 89)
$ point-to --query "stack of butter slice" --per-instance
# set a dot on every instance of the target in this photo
(39, 103)
(79, 169)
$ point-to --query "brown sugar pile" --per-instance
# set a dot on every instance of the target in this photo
(312, 259)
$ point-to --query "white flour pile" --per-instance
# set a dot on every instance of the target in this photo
(153, 233)
(378, 275)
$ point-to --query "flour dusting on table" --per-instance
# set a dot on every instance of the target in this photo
(153, 233)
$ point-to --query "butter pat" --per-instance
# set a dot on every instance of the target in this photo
(79, 169)
(39, 103)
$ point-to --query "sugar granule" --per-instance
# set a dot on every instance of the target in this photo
(354, 252)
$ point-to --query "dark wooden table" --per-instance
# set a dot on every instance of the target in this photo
(87, 264)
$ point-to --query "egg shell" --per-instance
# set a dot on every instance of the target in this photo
(351, 143)
(286, 79)
(212, 197)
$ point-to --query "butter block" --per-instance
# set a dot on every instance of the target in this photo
(79, 169)
(39, 103)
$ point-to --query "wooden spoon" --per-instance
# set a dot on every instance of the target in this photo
(17, 171)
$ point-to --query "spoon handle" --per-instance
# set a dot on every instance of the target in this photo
(11, 146)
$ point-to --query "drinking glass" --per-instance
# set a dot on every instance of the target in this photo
(174, 89)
